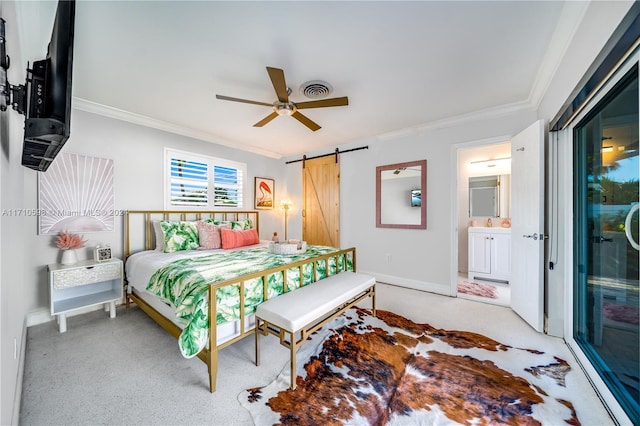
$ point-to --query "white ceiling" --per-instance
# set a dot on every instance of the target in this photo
(403, 65)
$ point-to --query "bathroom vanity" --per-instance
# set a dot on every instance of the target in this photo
(489, 254)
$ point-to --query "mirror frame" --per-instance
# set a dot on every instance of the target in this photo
(423, 189)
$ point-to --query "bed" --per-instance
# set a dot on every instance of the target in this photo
(182, 287)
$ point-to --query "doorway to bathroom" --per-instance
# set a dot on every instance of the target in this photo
(484, 223)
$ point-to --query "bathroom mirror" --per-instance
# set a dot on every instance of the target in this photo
(489, 196)
(401, 195)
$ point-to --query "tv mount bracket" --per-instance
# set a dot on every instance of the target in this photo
(9, 91)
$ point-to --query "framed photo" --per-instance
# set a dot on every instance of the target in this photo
(264, 194)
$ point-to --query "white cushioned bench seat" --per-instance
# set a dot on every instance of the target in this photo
(306, 309)
(297, 308)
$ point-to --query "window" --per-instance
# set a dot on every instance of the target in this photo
(189, 182)
(204, 182)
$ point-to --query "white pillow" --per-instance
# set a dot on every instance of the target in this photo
(157, 228)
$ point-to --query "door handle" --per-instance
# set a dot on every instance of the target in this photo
(627, 227)
(600, 239)
(534, 236)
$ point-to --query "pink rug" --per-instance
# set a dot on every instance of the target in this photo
(476, 289)
(621, 313)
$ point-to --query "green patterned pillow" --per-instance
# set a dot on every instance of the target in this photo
(179, 236)
(236, 225)
(248, 223)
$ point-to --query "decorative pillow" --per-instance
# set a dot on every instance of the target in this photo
(232, 239)
(157, 229)
(179, 236)
(209, 235)
(248, 223)
(234, 224)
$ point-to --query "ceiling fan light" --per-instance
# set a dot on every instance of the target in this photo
(284, 109)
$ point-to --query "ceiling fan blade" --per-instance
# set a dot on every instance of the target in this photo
(321, 103)
(277, 79)
(267, 119)
(305, 120)
(246, 101)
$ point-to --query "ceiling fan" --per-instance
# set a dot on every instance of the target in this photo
(283, 106)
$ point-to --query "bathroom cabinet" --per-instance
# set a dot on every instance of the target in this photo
(489, 254)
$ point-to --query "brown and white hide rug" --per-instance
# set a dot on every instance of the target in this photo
(361, 370)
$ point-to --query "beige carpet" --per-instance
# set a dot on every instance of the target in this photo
(128, 371)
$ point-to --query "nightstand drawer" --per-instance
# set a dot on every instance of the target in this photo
(87, 275)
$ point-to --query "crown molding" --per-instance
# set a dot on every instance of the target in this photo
(571, 16)
(142, 120)
(484, 114)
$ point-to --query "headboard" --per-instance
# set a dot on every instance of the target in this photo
(138, 227)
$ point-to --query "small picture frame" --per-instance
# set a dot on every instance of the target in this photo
(102, 254)
(264, 193)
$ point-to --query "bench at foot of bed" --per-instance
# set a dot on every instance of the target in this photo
(303, 311)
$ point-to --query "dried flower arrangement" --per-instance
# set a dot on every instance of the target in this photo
(69, 241)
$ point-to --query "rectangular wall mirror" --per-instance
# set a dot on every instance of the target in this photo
(401, 195)
(489, 196)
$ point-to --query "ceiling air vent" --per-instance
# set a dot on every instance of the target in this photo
(316, 89)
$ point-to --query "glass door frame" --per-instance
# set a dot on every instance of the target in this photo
(566, 137)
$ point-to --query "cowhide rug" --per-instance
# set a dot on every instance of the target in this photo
(477, 289)
(361, 370)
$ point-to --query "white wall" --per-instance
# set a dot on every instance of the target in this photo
(420, 259)
(13, 250)
(138, 155)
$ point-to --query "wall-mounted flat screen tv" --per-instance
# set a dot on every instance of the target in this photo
(48, 93)
(416, 198)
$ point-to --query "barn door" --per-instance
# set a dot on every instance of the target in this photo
(321, 201)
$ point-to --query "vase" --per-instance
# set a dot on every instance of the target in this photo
(69, 257)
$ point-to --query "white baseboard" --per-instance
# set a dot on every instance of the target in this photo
(443, 289)
(38, 317)
(17, 396)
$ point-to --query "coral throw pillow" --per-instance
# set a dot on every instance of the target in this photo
(232, 239)
(209, 235)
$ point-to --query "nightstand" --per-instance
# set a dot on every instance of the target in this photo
(83, 284)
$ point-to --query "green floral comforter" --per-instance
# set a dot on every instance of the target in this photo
(184, 284)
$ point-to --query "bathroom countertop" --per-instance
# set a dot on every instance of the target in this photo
(496, 229)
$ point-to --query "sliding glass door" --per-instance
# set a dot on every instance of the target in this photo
(606, 239)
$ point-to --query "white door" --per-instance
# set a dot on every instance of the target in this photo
(527, 202)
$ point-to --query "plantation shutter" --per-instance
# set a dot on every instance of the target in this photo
(189, 182)
(206, 182)
(227, 183)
